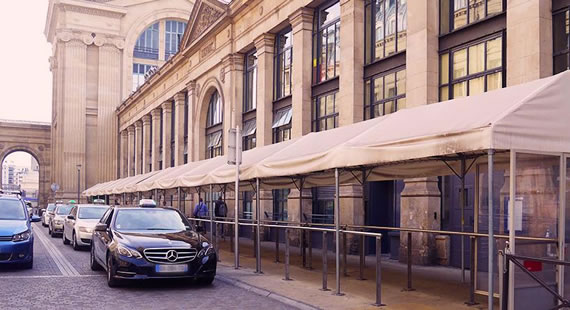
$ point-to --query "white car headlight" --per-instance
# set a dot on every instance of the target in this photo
(85, 229)
(21, 236)
(58, 222)
(124, 251)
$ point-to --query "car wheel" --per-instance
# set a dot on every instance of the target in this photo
(206, 280)
(49, 230)
(65, 240)
(111, 280)
(74, 242)
(30, 264)
(94, 264)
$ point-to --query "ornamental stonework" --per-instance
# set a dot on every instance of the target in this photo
(207, 17)
(208, 49)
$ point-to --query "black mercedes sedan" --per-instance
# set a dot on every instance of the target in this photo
(148, 242)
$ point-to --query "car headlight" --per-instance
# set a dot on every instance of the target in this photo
(58, 222)
(22, 236)
(85, 229)
(124, 251)
(207, 249)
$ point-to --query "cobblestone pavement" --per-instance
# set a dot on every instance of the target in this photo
(46, 286)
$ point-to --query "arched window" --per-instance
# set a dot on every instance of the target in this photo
(147, 43)
(214, 128)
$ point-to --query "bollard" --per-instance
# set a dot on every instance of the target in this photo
(361, 250)
(302, 247)
(471, 300)
(409, 287)
(310, 247)
(325, 265)
(217, 245)
(287, 278)
(501, 270)
(253, 234)
(379, 272)
(276, 244)
(232, 241)
(344, 250)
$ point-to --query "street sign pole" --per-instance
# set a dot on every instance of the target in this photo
(234, 158)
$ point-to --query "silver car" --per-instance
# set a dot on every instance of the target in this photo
(79, 224)
(56, 223)
(48, 214)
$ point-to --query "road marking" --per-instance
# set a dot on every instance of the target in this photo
(52, 276)
(62, 263)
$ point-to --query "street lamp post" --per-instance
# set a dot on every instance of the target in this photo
(78, 183)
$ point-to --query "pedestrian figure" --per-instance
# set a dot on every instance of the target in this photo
(221, 210)
(201, 211)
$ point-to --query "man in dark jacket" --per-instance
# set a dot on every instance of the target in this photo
(221, 210)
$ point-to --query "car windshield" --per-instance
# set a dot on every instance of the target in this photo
(12, 210)
(92, 213)
(51, 207)
(149, 219)
(63, 210)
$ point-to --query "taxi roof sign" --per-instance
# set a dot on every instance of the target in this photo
(147, 203)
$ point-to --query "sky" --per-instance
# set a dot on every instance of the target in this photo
(25, 79)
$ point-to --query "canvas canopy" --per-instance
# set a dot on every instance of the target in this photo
(409, 143)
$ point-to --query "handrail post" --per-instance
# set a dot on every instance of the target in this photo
(471, 300)
(501, 271)
(211, 214)
(344, 254)
(505, 292)
(337, 230)
(287, 278)
(409, 287)
(254, 248)
(276, 244)
(361, 249)
(379, 272)
(258, 227)
(324, 253)
(310, 248)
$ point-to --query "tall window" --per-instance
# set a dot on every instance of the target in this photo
(250, 81)
(282, 124)
(323, 205)
(214, 126)
(174, 33)
(139, 71)
(186, 127)
(280, 197)
(247, 205)
(248, 134)
(385, 94)
(150, 145)
(283, 64)
(455, 14)
(161, 144)
(325, 112)
(147, 43)
(172, 137)
(326, 43)
(385, 28)
(472, 69)
(561, 38)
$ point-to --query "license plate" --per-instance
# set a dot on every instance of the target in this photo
(171, 268)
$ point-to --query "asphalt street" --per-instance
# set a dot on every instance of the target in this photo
(62, 279)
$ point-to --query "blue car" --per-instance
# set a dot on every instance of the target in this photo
(16, 237)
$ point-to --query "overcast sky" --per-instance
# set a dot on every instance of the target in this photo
(25, 78)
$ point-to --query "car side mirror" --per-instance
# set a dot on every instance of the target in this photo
(71, 217)
(35, 218)
(101, 227)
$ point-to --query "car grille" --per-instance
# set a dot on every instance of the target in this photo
(159, 256)
(86, 240)
(5, 256)
(5, 238)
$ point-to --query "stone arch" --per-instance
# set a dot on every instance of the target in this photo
(133, 33)
(210, 85)
(43, 178)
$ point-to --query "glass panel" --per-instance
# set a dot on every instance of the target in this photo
(494, 53)
(444, 16)
(368, 33)
(460, 63)
(330, 104)
(390, 85)
(476, 86)
(460, 14)
(477, 58)
(323, 61)
(402, 23)
(444, 93)
(401, 82)
(494, 6)
(560, 64)
(378, 110)
(460, 90)
(367, 93)
(330, 14)
(322, 106)
(337, 50)
(494, 81)
(389, 107)
(287, 73)
(444, 68)
(401, 104)
(322, 125)
(379, 31)
(330, 123)
(559, 29)
(476, 10)
(390, 27)
(378, 89)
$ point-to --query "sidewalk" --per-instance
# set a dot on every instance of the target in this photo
(435, 287)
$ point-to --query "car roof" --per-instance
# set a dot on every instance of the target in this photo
(143, 208)
(92, 205)
(9, 197)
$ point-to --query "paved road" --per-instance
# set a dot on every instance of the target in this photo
(61, 279)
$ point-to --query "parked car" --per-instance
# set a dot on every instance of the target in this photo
(56, 222)
(16, 236)
(48, 214)
(133, 243)
(78, 225)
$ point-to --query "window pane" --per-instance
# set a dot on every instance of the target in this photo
(401, 82)
(330, 123)
(337, 50)
(367, 93)
(330, 14)
(322, 106)
(460, 90)
(401, 104)
(560, 63)
(390, 85)
(322, 125)
(476, 10)
(389, 107)
(378, 110)
(494, 53)
(402, 23)
(477, 58)
(324, 49)
(560, 31)
(494, 6)
(444, 13)
(368, 33)
(379, 30)
(494, 81)
(476, 86)
(330, 104)
(331, 52)
(460, 14)
(444, 68)
(459, 63)
(390, 27)
(444, 93)
(378, 89)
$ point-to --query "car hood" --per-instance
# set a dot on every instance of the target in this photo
(90, 223)
(160, 239)
(12, 227)
(59, 217)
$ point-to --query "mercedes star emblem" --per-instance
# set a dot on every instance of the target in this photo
(171, 256)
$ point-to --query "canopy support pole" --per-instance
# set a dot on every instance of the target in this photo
(337, 229)
(258, 231)
(236, 210)
(462, 201)
(512, 191)
(211, 214)
(562, 224)
(491, 255)
(301, 221)
(179, 195)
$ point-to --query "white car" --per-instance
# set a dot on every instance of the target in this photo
(48, 214)
(79, 224)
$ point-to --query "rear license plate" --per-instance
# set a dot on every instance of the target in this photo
(171, 268)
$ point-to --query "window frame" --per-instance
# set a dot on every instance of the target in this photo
(317, 43)
(278, 131)
(450, 15)
(144, 50)
(370, 107)
(247, 69)
(250, 141)
(315, 118)
(280, 56)
(371, 50)
(168, 34)
(210, 117)
(564, 10)
(214, 151)
(185, 127)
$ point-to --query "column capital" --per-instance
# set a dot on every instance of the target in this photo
(166, 106)
(233, 62)
(131, 129)
(146, 119)
(191, 86)
(138, 124)
(179, 98)
(124, 133)
(155, 113)
(302, 17)
(265, 43)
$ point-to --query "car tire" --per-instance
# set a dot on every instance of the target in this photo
(49, 230)
(74, 244)
(65, 240)
(94, 264)
(111, 280)
(206, 281)
(29, 265)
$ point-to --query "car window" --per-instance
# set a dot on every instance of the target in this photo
(73, 211)
(109, 218)
(63, 210)
(149, 219)
(51, 207)
(105, 216)
(91, 212)
(12, 210)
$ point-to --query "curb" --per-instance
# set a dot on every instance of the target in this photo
(265, 293)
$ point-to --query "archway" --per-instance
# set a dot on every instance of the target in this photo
(21, 172)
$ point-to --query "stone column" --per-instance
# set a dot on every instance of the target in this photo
(351, 93)
(166, 134)
(146, 152)
(179, 128)
(302, 24)
(108, 98)
(265, 45)
(352, 212)
(138, 147)
(232, 88)
(155, 150)
(124, 154)
(192, 104)
(131, 150)
(295, 210)
(420, 208)
(422, 59)
(529, 40)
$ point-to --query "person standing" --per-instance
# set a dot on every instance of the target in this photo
(221, 210)
(201, 210)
